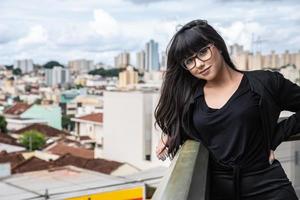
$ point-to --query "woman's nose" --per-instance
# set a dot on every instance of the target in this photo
(199, 63)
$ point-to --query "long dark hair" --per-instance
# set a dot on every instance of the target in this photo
(179, 85)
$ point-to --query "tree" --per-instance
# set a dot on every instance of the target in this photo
(3, 124)
(17, 72)
(51, 64)
(9, 67)
(33, 140)
(114, 72)
(67, 124)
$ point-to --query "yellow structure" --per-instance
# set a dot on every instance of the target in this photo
(136, 193)
(128, 78)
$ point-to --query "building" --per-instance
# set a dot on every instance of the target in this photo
(163, 64)
(141, 60)
(128, 78)
(128, 127)
(57, 76)
(122, 60)
(91, 126)
(81, 66)
(152, 56)
(21, 115)
(69, 182)
(26, 65)
(246, 60)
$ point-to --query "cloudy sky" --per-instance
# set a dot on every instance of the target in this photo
(100, 29)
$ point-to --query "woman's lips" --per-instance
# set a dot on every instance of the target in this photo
(205, 70)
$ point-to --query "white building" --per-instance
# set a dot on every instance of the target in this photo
(152, 56)
(122, 60)
(91, 125)
(26, 65)
(57, 75)
(129, 135)
(81, 66)
(141, 60)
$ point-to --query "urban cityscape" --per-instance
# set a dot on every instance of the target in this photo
(84, 128)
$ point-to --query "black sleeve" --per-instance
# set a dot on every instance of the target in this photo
(288, 97)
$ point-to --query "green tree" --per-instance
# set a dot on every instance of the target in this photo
(32, 140)
(9, 67)
(51, 64)
(114, 72)
(3, 124)
(67, 124)
(17, 72)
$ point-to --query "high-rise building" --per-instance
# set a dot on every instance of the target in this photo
(26, 65)
(81, 66)
(122, 60)
(57, 75)
(163, 64)
(152, 56)
(236, 49)
(140, 60)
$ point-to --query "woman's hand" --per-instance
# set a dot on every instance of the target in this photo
(161, 149)
(271, 157)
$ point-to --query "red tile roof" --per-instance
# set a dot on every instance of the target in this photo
(84, 137)
(7, 139)
(62, 149)
(48, 131)
(94, 117)
(32, 164)
(99, 165)
(17, 109)
(13, 158)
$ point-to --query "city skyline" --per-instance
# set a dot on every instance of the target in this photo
(67, 30)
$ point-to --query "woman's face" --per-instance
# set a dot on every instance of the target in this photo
(210, 64)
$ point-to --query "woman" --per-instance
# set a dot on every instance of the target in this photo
(233, 113)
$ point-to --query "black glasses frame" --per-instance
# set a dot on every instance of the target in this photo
(183, 64)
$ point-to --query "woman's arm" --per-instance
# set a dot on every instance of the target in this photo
(288, 97)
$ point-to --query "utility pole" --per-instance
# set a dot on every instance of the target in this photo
(30, 143)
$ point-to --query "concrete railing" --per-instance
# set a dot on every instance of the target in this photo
(187, 176)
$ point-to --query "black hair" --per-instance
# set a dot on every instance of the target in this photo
(179, 85)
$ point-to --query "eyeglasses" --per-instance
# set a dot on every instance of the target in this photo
(203, 54)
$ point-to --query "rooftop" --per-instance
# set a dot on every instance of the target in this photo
(17, 109)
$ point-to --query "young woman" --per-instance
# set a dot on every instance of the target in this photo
(233, 113)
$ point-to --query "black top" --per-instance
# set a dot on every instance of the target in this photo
(233, 135)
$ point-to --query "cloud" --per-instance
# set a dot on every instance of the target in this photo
(104, 24)
(37, 35)
(242, 33)
(99, 30)
(146, 1)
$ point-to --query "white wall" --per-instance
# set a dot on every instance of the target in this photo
(127, 125)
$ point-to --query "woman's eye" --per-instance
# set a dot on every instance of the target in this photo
(189, 61)
(202, 52)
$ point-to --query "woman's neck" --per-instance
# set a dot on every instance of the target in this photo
(225, 76)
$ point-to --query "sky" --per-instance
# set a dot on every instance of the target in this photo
(64, 30)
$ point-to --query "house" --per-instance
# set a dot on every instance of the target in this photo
(9, 144)
(99, 165)
(21, 115)
(47, 131)
(61, 148)
(89, 130)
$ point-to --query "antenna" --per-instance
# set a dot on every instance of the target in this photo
(256, 43)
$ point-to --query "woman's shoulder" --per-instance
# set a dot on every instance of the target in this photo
(263, 72)
(267, 76)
